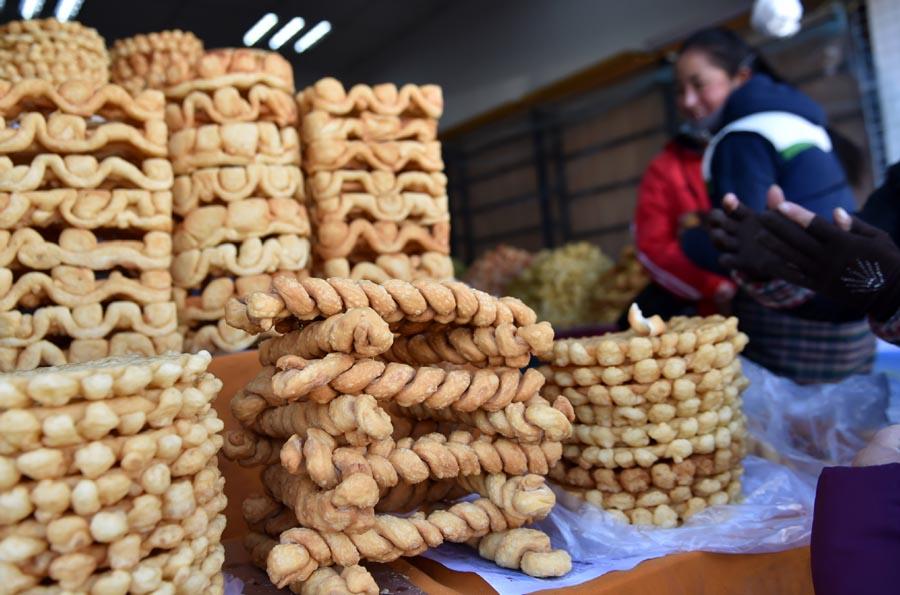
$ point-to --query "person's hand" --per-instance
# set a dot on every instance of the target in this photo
(884, 448)
(848, 261)
(735, 232)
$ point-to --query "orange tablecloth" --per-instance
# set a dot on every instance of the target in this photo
(689, 574)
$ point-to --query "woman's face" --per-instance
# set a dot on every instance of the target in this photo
(702, 86)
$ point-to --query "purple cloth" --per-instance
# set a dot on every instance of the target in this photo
(856, 531)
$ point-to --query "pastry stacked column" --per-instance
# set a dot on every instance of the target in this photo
(375, 178)
(85, 224)
(659, 433)
(383, 399)
(109, 480)
(238, 191)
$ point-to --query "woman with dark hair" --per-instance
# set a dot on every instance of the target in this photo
(766, 132)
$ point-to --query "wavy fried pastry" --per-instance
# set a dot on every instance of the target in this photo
(250, 257)
(228, 184)
(87, 209)
(65, 133)
(89, 321)
(241, 143)
(412, 207)
(338, 239)
(73, 286)
(209, 304)
(393, 156)
(209, 226)
(27, 249)
(79, 98)
(84, 172)
(369, 127)
(428, 266)
(237, 67)
(227, 104)
(329, 95)
(45, 353)
(327, 185)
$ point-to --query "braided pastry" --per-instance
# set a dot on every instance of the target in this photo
(302, 551)
(462, 389)
(352, 579)
(445, 302)
(524, 498)
(432, 456)
(525, 549)
(528, 422)
(349, 507)
(251, 450)
(503, 345)
(359, 331)
(356, 418)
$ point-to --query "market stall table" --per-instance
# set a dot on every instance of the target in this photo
(689, 573)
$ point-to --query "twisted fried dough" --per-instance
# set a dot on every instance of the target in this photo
(359, 331)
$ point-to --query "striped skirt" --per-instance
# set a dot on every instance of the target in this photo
(806, 351)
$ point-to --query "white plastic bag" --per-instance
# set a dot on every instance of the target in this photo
(809, 426)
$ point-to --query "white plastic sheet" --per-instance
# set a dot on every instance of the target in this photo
(809, 426)
(775, 515)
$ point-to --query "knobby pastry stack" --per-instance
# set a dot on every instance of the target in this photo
(377, 407)
(85, 224)
(659, 433)
(109, 481)
(238, 194)
(376, 183)
(52, 51)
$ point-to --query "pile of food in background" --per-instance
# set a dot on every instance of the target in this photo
(659, 433)
(377, 189)
(495, 269)
(85, 206)
(379, 400)
(238, 193)
(573, 286)
(618, 286)
(110, 479)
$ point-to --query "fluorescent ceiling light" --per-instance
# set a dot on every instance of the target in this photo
(262, 26)
(29, 8)
(289, 30)
(312, 36)
(67, 9)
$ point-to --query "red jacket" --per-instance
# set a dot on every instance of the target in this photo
(671, 187)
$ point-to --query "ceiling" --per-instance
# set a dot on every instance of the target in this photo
(361, 29)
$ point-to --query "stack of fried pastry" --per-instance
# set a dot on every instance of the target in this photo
(53, 51)
(109, 480)
(155, 60)
(659, 433)
(378, 406)
(377, 191)
(238, 195)
(85, 224)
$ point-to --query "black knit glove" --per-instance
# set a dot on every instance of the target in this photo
(736, 236)
(859, 268)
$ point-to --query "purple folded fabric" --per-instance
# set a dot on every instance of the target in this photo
(856, 531)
